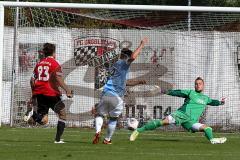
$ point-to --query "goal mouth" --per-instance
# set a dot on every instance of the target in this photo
(184, 43)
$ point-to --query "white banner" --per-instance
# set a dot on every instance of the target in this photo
(169, 58)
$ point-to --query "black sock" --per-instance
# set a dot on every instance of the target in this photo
(60, 130)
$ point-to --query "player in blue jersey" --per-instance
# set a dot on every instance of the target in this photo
(111, 102)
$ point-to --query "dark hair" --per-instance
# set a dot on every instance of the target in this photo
(48, 49)
(126, 53)
(199, 78)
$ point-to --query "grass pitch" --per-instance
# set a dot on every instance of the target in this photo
(37, 144)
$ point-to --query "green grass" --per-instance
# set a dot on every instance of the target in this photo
(37, 144)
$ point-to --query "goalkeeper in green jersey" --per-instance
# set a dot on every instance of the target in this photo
(188, 114)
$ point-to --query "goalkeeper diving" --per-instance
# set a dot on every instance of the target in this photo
(188, 114)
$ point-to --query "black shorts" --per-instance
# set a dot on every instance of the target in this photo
(46, 102)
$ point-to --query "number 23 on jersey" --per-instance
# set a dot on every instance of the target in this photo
(43, 73)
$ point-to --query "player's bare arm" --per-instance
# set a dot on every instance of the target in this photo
(135, 82)
(32, 82)
(139, 49)
(223, 99)
(64, 86)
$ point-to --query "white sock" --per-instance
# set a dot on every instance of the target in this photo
(98, 123)
(111, 128)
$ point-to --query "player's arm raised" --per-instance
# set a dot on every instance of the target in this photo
(139, 49)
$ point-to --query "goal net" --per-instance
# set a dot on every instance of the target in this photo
(181, 47)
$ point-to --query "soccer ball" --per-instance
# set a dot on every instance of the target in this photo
(26, 118)
(132, 124)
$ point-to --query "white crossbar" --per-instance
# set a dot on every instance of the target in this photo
(120, 7)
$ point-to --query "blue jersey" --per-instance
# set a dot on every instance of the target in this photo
(116, 83)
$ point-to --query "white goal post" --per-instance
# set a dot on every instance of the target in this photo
(1, 55)
(4, 4)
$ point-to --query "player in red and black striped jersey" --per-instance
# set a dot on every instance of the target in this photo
(45, 82)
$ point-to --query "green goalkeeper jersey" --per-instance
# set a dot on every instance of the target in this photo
(194, 103)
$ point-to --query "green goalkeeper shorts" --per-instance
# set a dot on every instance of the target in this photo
(183, 119)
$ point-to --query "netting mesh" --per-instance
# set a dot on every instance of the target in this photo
(156, 20)
(88, 43)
